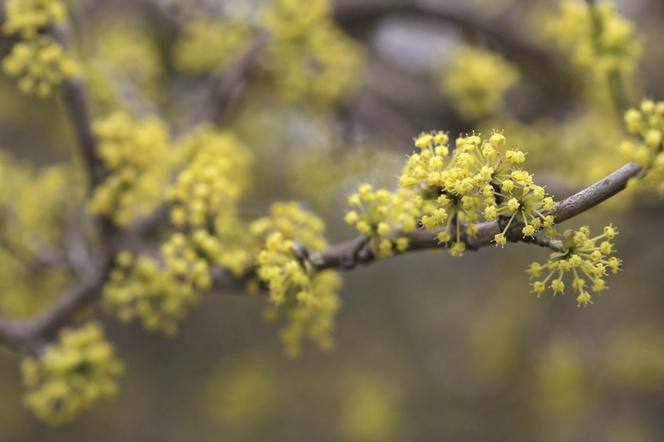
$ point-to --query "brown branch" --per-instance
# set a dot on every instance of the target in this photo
(83, 293)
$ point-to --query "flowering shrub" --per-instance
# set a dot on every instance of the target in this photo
(169, 216)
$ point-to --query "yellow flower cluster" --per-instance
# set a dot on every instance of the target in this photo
(378, 213)
(71, 374)
(123, 69)
(308, 298)
(450, 191)
(206, 44)
(584, 258)
(37, 61)
(476, 81)
(280, 267)
(215, 176)
(310, 59)
(313, 320)
(205, 195)
(26, 17)
(647, 123)
(294, 223)
(40, 65)
(138, 156)
(597, 38)
(159, 294)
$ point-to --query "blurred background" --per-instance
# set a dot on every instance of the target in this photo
(427, 346)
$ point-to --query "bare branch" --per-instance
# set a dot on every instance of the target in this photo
(82, 294)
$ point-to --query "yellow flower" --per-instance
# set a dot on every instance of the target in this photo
(26, 17)
(40, 65)
(137, 155)
(584, 258)
(72, 373)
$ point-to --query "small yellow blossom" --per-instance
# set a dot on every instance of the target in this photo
(584, 258)
(40, 65)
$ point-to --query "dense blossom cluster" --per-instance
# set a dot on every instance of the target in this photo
(647, 123)
(583, 258)
(206, 44)
(479, 179)
(71, 374)
(205, 193)
(215, 176)
(597, 37)
(378, 213)
(451, 191)
(310, 58)
(40, 65)
(138, 157)
(160, 291)
(27, 17)
(158, 294)
(476, 81)
(306, 297)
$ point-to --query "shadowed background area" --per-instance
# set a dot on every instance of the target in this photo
(426, 346)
